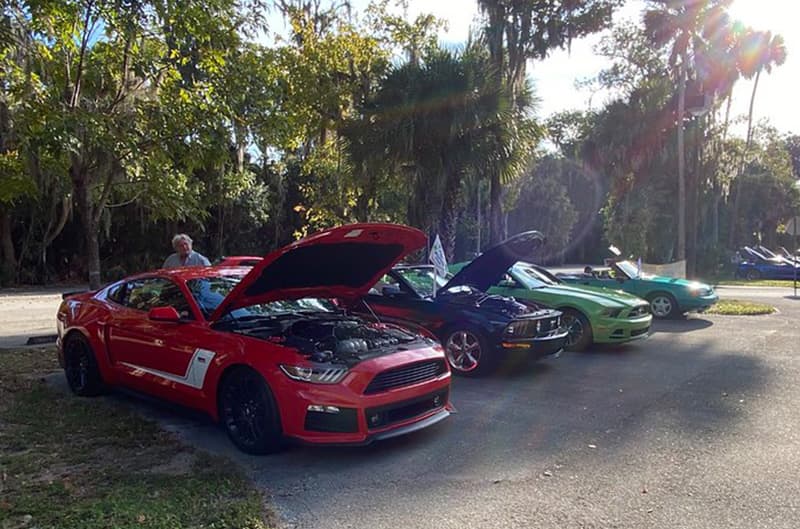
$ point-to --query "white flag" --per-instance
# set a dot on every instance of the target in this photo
(437, 257)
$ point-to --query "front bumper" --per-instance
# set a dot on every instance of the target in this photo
(539, 346)
(343, 414)
(608, 330)
(699, 303)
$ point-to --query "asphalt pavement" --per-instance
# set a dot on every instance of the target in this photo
(696, 427)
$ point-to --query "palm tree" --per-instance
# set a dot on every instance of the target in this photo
(515, 32)
(681, 25)
(431, 117)
(760, 51)
(719, 60)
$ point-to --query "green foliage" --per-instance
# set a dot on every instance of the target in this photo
(735, 307)
(169, 117)
(87, 464)
(15, 182)
(544, 205)
(767, 180)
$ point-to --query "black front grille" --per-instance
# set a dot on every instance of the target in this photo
(637, 332)
(402, 411)
(405, 376)
(548, 325)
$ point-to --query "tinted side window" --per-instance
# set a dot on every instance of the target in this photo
(144, 294)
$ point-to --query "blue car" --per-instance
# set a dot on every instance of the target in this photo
(754, 264)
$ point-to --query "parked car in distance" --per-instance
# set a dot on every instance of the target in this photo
(590, 314)
(263, 351)
(668, 296)
(476, 329)
(238, 260)
(754, 265)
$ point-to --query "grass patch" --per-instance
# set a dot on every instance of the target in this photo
(758, 283)
(83, 463)
(735, 307)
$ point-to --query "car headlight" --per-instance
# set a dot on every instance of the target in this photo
(314, 375)
(610, 313)
(698, 289)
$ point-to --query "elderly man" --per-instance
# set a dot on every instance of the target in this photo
(184, 255)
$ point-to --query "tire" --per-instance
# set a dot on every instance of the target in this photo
(80, 367)
(467, 351)
(579, 329)
(753, 274)
(248, 412)
(663, 305)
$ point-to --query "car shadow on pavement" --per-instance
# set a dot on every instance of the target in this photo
(631, 403)
(615, 349)
(688, 324)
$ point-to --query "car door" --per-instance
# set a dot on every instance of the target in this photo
(156, 356)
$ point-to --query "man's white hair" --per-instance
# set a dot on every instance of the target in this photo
(180, 237)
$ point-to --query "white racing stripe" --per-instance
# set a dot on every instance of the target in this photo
(195, 374)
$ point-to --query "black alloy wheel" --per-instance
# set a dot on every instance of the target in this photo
(467, 352)
(80, 368)
(248, 412)
(579, 330)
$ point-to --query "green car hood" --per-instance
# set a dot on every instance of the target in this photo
(601, 296)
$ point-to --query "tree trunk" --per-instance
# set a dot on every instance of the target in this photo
(716, 189)
(9, 253)
(736, 199)
(88, 224)
(478, 217)
(681, 248)
(55, 226)
(450, 215)
(495, 33)
(221, 231)
(495, 209)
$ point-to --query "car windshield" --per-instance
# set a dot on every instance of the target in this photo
(209, 292)
(628, 268)
(421, 280)
(532, 277)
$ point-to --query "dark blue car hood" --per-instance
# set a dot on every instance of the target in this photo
(488, 268)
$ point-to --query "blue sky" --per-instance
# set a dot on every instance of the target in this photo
(555, 77)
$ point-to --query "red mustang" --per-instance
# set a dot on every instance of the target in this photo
(264, 351)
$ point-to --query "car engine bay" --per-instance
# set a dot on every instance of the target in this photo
(336, 339)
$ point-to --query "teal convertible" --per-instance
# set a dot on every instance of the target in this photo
(590, 315)
(668, 296)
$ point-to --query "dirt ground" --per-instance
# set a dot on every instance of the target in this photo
(26, 313)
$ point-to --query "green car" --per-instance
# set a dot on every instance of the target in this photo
(591, 315)
(668, 296)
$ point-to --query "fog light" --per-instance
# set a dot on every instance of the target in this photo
(322, 409)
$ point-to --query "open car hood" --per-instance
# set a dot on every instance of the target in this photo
(342, 262)
(487, 269)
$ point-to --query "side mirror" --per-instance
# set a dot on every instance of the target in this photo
(164, 314)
